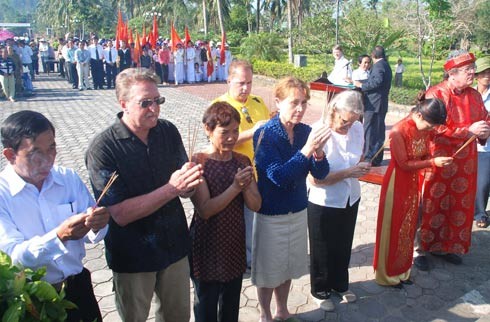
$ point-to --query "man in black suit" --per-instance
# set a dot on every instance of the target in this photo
(376, 90)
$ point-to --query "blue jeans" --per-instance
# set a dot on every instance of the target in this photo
(483, 185)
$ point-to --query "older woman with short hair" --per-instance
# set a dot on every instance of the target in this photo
(334, 201)
(286, 150)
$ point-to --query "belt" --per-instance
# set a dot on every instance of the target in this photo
(64, 283)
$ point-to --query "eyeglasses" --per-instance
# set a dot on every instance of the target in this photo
(468, 69)
(247, 115)
(149, 102)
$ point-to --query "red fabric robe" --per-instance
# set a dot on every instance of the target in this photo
(409, 153)
(449, 192)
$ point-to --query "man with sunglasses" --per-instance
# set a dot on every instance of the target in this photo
(253, 114)
(448, 200)
(148, 240)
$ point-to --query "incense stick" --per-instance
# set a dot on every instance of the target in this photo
(259, 140)
(380, 150)
(471, 139)
(107, 186)
(191, 141)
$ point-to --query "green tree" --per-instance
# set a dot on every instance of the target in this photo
(263, 46)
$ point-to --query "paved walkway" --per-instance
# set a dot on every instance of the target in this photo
(446, 293)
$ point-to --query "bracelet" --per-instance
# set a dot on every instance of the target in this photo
(317, 158)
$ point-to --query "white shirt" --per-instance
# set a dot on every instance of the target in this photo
(113, 54)
(360, 74)
(341, 70)
(400, 68)
(26, 55)
(342, 151)
(29, 219)
(92, 48)
(486, 100)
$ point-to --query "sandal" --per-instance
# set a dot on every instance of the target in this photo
(483, 222)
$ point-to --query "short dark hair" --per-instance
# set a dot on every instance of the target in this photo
(378, 52)
(361, 57)
(220, 113)
(23, 125)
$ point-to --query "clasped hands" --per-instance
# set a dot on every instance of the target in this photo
(77, 226)
(317, 139)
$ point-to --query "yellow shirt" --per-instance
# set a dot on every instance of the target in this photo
(257, 111)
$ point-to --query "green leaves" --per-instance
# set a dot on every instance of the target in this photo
(24, 296)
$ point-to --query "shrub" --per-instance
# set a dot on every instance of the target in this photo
(25, 297)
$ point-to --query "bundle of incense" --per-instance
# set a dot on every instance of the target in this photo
(192, 141)
(471, 139)
(107, 187)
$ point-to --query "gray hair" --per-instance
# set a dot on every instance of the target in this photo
(347, 101)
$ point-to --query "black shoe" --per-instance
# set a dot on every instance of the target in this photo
(450, 258)
(398, 286)
(421, 263)
(407, 282)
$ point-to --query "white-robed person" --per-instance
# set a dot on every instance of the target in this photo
(190, 58)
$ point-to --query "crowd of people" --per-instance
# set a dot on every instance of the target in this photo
(263, 181)
(95, 63)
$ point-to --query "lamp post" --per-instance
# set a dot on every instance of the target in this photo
(152, 13)
(76, 21)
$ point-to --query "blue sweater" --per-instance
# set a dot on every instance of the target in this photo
(282, 168)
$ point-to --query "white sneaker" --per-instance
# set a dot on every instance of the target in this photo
(326, 305)
(348, 297)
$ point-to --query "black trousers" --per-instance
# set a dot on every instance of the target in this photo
(165, 73)
(61, 67)
(374, 135)
(216, 301)
(331, 231)
(73, 74)
(159, 71)
(79, 290)
(97, 70)
(110, 75)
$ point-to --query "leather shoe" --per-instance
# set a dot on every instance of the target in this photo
(450, 258)
(421, 263)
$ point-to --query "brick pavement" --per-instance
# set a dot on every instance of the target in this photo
(446, 293)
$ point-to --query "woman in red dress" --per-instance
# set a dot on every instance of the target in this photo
(399, 202)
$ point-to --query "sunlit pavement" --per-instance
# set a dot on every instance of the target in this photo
(445, 293)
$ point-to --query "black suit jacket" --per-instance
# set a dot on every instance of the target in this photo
(377, 87)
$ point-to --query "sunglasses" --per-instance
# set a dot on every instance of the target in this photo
(149, 102)
(247, 115)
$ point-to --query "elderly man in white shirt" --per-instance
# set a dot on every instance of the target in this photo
(342, 70)
(46, 212)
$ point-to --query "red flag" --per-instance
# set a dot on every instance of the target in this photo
(143, 36)
(187, 36)
(155, 32)
(118, 28)
(130, 37)
(210, 67)
(137, 50)
(174, 38)
(222, 57)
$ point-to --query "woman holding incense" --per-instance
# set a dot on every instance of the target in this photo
(334, 201)
(218, 258)
(400, 192)
(286, 150)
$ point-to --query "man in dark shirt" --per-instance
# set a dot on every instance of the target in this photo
(376, 90)
(147, 243)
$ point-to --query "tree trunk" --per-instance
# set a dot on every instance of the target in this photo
(290, 31)
(220, 18)
(257, 8)
(204, 17)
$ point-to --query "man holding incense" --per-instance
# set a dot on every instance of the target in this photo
(449, 193)
(148, 239)
(46, 212)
